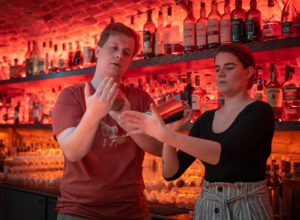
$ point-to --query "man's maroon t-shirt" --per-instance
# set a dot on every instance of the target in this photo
(107, 183)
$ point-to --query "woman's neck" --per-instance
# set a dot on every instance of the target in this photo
(235, 102)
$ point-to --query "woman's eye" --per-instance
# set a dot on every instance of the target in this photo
(229, 68)
(126, 53)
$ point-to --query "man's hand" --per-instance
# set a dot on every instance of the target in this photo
(102, 100)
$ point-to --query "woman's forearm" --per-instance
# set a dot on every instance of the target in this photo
(170, 161)
(205, 150)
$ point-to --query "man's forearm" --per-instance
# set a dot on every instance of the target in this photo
(149, 144)
(76, 142)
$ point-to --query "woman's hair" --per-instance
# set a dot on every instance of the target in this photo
(243, 54)
(119, 28)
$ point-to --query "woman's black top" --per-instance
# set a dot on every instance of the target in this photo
(245, 145)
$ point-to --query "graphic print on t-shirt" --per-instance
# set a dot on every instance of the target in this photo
(111, 136)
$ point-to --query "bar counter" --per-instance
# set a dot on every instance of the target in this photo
(16, 201)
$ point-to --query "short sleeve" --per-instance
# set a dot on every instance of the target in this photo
(68, 110)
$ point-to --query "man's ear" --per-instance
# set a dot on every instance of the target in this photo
(250, 72)
(97, 51)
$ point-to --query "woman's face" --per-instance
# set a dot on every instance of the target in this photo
(230, 75)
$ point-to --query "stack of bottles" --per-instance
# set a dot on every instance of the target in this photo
(175, 34)
(29, 106)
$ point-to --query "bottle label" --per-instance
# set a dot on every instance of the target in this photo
(271, 29)
(167, 37)
(274, 97)
(61, 63)
(174, 34)
(291, 94)
(147, 42)
(225, 30)
(201, 34)
(189, 34)
(237, 30)
(286, 27)
(196, 101)
(158, 43)
(252, 29)
(212, 31)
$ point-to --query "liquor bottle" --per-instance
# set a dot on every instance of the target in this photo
(159, 35)
(188, 89)
(28, 63)
(50, 55)
(253, 23)
(55, 59)
(196, 98)
(177, 29)
(258, 88)
(201, 28)
(289, 14)
(46, 57)
(70, 56)
(225, 26)
(34, 59)
(274, 93)
(62, 57)
(213, 25)
(14, 70)
(272, 26)
(291, 97)
(78, 58)
(149, 36)
(168, 33)
(189, 39)
(238, 17)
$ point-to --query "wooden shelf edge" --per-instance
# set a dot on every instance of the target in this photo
(282, 43)
(27, 126)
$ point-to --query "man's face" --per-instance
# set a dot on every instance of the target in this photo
(115, 56)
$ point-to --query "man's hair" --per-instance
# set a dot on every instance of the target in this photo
(243, 54)
(119, 28)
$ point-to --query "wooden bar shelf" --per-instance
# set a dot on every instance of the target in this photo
(286, 49)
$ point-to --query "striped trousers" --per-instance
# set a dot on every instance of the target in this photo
(233, 201)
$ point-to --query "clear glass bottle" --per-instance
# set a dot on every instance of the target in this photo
(62, 57)
(258, 89)
(291, 97)
(225, 24)
(28, 63)
(201, 28)
(272, 26)
(189, 39)
(78, 58)
(70, 56)
(253, 23)
(238, 18)
(188, 89)
(274, 93)
(168, 33)
(213, 25)
(196, 99)
(149, 36)
(289, 14)
(159, 35)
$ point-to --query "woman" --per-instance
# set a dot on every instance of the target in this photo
(233, 142)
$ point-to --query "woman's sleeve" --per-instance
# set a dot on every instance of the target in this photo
(249, 131)
(185, 160)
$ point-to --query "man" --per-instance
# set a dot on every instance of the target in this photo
(103, 167)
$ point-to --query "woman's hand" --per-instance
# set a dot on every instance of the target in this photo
(143, 123)
(176, 125)
(102, 100)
